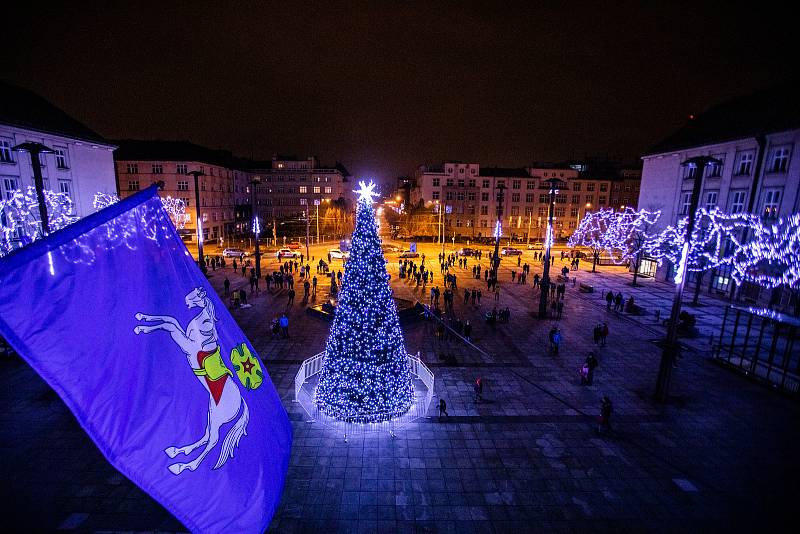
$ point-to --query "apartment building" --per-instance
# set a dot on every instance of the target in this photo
(223, 186)
(81, 164)
(470, 195)
(754, 139)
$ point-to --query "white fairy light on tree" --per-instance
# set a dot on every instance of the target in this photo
(593, 232)
(20, 222)
(771, 257)
(175, 207)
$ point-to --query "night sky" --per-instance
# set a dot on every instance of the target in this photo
(384, 86)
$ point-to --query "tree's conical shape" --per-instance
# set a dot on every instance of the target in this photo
(365, 376)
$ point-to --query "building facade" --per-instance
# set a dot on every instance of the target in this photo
(81, 164)
(471, 193)
(223, 186)
(754, 138)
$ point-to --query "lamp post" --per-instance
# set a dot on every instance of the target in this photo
(34, 149)
(256, 225)
(670, 349)
(548, 240)
(308, 224)
(528, 235)
(498, 230)
(198, 219)
(439, 207)
(578, 221)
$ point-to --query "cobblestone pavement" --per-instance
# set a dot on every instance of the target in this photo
(720, 455)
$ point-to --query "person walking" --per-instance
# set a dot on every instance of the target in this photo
(496, 293)
(559, 308)
(442, 407)
(606, 409)
(556, 340)
(227, 285)
(536, 280)
(609, 300)
(284, 323)
(603, 334)
(290, 302)
(596, 333)
(480, 293)
(591, 363)
(306, 288)
(478, 389)
(275, 327)
(618, 302)
(466, 296)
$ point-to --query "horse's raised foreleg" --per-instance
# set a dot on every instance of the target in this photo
(213, 437)
(177, 334)
(163, 318)
(172, 452)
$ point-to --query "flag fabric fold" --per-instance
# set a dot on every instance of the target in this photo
(116, 317)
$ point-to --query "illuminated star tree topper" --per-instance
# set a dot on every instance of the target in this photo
(366, 191)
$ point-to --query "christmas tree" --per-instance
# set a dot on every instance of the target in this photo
(365, 376)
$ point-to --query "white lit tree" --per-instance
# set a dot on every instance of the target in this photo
(365, 376)
(593, 232)
(175, 207)
(20, 222)
(771, 257)
(627, 236)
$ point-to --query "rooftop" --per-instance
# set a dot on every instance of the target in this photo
(771, 110)
(159, 150)
(25, 109)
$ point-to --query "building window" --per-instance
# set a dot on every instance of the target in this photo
(484, 223)
(6, 154)
(589, 198)
(573, 212)
(737, 201)
(181, 168)
(484, 197)
(514, 210)
(484, 210)
(590, 187)
(501, 183)
(436, 195)
(202, 186)
(714, 170)
(461, 181)
(514, 197)
(158, 168)
(744, 164)
(64, 186)
(449, 182)
(461, 171)
(772, 201)
(303, 189)
(576, 186)
(471, 182)
(603, 188)
(435, 182)
(485, 184)
(183, 185)
(133, 185)
(686, 200)
(316, 189)
(61, 158)
(328, 190)
(542, 212)
(460, 195)
(711, 199)
(528, 197)
(133, 168)
(9, 186)
(531, 184)
(303, 201)
(449, 195)
(602, 200)
(780, 159)
(722, 278)
(516, 184)
(559, 212)
(471, 196)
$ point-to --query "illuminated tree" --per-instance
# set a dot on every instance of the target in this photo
(175, 207)
(771, 257)
(20, 221)
(365, 375)
(593, 232)
(627, 236)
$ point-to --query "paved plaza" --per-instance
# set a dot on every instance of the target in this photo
(720, 455)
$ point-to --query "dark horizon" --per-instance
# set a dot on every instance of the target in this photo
(383, 88)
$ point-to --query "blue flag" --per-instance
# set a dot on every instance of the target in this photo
(114, 314)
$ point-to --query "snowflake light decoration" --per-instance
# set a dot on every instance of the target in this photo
(366, 192)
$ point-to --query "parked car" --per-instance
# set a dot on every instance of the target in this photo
(535, 246)
(391, 248)
(510, 251)
(409, 254)
(403, 236)
(338, 254)
(234, 253)
(293, 246)
(466, 251)
(286, 253)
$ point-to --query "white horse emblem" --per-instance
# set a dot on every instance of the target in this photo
(199, 342)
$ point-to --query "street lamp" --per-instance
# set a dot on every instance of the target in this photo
(198, 220)
(256, 225)
(670, 349)
(34, 149)
(578, 221)
(548, 240)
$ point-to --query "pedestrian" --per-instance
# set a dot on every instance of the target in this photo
(306, 288)
(496, 293)
(243, 296)
(556, 340)
(244, 269)
(592, 363)
(291, 298)
(478, 389)
(618, 302)
(284, 323)
(468, 331)
(603, 334)
(314, 286)
(609, 300)
(552, 337)
(466, 296)
(536, 280)
(606, 409)
(480, 293)
(560, 308)
(227, 284)
(234, 266)
(513, 275)
(442, 408)
(274, 327)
